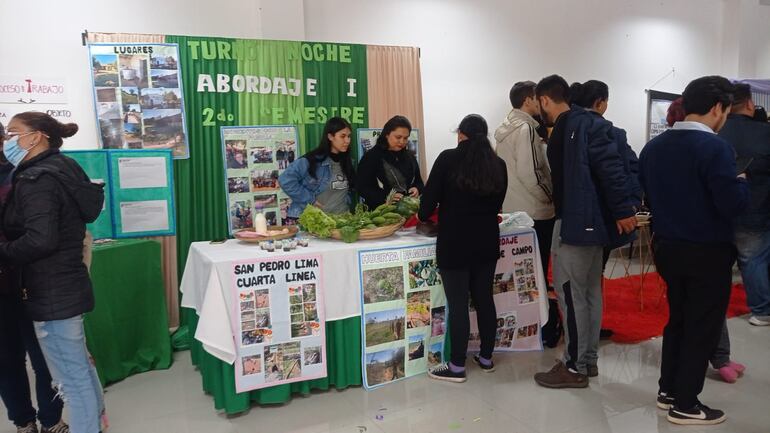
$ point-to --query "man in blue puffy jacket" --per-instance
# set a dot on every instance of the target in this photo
(591, 199)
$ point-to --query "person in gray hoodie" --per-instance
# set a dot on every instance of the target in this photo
(529, 176)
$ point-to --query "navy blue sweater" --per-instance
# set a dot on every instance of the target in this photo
(690, 182)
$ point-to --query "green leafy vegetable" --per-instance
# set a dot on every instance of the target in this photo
(317, 222)
(349, 234)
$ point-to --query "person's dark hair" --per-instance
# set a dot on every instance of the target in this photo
(588, 93)
(2, 142)
(520, 92)
(480, 172)
(554, 87)
(760, 114)
(702, 94)
(55, 130)
(742, 94)
(324, 149)
(675, 112)
(392, 124)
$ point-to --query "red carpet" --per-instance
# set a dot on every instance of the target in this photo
(622, 307)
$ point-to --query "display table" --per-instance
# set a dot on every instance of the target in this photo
(205, 289)
(127, 333)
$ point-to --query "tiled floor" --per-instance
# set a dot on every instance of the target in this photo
(621, 399)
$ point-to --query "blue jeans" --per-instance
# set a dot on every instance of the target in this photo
(64, 346)
(753, 258)
(17, 339)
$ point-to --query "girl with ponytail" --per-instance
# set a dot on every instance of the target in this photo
(44, 223)
(468, 185)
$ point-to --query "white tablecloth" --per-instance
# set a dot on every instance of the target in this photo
(206, 282)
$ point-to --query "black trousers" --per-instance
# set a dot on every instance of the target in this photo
(17, 338)
(544, 230)
(459, 284)
(699, 279)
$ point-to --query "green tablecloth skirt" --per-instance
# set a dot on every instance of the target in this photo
(127, 333)
(343, 361)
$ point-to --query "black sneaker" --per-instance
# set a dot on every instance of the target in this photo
(442, 372)
(485, 368)
(700, 414)
(665, 401)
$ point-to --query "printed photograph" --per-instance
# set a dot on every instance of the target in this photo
(385, 366)
(297, 318)
(423, 274)
(522, 332)
(112, 133)
(510, 320)
(296, 308)
(129, 96)
(531, 283)
(300, 330)
(416, 347)
(519, 269)
(133, 71)
(252, 337)
(164, 60)
(312, 355)
(164, 78)
(247, 306)
(295, 299)
(263, 298)
(246, 296)
(248, 326)
(311, 313)
(132, 131)
(529, 266)
(285, 153)
(502, 283)
(251, 364)
(272, 219)
(261, 155)
(241, 215)
(161, 98)
(236, 185)
(437, 321)
(435, 354)
(284, 205)
(292, 360)
(108, 110)
(235, 154)
(263, 318)
(262, 180)
(105, 67)
(163, 129)
(133, 115)
(384, 327)
(528, 297)
(273, 363)
(383, 284)
(265, 201)
(309, 292)
(106, 94)
(315, 328)
(508, 335)
(418, 309)
(248, 315)
(500, 322)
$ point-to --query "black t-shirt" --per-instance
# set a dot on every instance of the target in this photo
(556, 160)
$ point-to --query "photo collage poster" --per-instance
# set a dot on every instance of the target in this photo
(278, 321)
(403, 318)
(138, 97)
(254, 158)
(518, 289)
(367, 138)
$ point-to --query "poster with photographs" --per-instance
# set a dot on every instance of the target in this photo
(657, 111)
(367, 138)
(519, 289)
(254, 157)
(278, 321)
(404, 313)
(138, 97)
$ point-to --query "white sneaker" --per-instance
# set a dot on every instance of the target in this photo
(759, 320)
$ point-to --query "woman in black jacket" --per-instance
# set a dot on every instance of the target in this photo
(44, 221)
(389, 165)
(468, 185)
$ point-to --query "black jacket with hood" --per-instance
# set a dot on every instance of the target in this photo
(44, 220)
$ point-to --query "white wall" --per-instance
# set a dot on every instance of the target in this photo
(472, 51)
(42, 38)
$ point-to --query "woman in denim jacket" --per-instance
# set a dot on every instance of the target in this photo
(324, 176)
